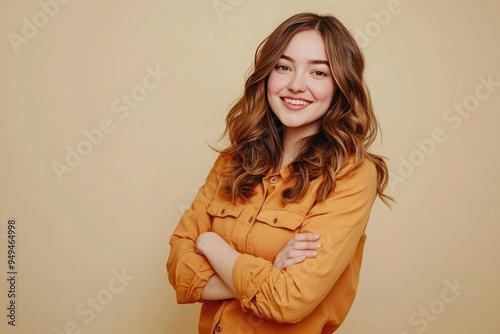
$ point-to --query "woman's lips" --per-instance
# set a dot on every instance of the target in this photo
(295, 104)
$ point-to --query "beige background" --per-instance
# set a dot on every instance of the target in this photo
(116, 209)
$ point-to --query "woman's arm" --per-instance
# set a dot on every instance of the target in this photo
(215, 249)
(188, 271)
(216, 289)
(220, 254)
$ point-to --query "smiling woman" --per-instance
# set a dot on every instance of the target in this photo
(273, 241)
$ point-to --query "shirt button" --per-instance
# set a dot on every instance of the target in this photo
(218, 327)
(250, 219)
(273, 179)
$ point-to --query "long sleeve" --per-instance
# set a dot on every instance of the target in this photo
(188, 272)
(289, 295)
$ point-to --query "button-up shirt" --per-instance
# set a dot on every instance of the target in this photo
(310, 297)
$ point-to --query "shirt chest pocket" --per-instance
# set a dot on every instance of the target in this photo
(272, 230)
(224, 216)
(286, 219)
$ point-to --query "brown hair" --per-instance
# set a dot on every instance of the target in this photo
(348, 128)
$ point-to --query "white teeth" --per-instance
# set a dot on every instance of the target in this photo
(297, 102)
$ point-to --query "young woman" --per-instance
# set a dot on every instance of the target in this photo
(273, 241)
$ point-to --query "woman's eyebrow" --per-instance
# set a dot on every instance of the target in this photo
(313, 61)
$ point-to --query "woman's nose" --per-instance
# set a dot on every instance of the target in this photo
(297, 83)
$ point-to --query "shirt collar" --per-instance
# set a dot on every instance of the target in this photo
(283, 172)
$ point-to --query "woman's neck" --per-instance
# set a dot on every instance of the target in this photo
(291, 145)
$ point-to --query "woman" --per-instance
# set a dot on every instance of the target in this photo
(273, 241)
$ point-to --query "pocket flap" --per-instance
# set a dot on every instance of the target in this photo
(224, 209)
(281, 218)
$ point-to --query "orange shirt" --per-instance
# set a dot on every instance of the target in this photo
(311, 297)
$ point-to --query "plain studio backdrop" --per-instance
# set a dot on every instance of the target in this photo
(106, 112)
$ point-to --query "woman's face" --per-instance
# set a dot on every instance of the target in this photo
(300, 88)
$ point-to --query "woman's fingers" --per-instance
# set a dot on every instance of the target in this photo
(304, 245)
(292, 261)
(293, 253)
(299, 248)
(297, 257)
(304, 241)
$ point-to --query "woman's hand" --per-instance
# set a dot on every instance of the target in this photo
(300, 247)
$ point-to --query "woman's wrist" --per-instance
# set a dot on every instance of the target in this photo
(202, 241)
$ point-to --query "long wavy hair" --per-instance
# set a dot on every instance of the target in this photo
(348, 128)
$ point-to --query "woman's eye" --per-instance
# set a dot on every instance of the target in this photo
(320, 73)
(282, 68)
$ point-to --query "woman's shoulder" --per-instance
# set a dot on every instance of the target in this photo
(355, 185)
(364, 169)
(222, 167)
(222, 162)
(357, 177)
